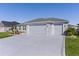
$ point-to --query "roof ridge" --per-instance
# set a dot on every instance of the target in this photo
(47, 19)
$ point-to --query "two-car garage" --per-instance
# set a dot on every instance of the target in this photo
(49, 29)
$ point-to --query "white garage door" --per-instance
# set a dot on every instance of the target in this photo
(37, 30)
(42, 30)
(58, 29)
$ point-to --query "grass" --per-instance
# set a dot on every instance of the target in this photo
(4, 34)
(72, 46)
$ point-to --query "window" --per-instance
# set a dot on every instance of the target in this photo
(64, 25)
(24, 27)
(19, 27)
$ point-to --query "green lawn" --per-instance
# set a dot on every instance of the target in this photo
(72, 46)
(4, 34)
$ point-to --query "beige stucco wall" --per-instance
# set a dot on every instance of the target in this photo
(2, 29)
(7, 28)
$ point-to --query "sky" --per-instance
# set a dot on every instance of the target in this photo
(22, 12)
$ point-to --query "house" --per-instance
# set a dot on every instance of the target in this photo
(44, 26)
(73, 26)
(6, 25)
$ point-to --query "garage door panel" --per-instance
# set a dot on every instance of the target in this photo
(58, 29)
(38, 30)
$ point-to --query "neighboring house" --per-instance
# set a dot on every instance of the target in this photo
(44, 26)
(73, 26)
(5, 25)
(78, 26)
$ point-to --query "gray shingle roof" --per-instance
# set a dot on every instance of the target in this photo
(47, 19)
(72, 25)
(44, 21)
(9, 24)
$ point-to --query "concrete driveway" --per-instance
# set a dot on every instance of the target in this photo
(23, 45)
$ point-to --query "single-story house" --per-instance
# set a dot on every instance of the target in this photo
(6, 25)
(44, 26)
(73, 26)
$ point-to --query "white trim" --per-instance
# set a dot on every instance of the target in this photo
(52, 29)
(47, 29)
(27, 30)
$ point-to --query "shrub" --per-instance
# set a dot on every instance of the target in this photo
(14, 30)
(70, 31)
(77, 31)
